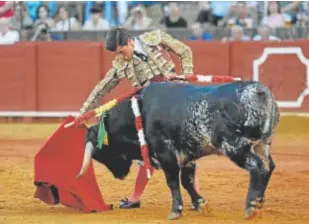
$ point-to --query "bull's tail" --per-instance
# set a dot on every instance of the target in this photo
(271, 119)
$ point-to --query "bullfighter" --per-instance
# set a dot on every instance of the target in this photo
(141, 59)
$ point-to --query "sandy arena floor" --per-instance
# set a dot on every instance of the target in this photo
(222, 182)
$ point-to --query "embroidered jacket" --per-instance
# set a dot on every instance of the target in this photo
(151, 58)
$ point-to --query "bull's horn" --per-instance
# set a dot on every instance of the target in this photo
(87, 158)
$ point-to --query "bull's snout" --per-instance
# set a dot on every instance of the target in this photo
(87, 158)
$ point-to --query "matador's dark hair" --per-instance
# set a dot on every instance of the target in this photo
(116, 37)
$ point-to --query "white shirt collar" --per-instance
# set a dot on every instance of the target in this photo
(138, 47)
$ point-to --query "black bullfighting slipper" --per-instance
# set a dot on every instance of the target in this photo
(125, 203)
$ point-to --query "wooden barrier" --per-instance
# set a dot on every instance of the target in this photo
(57, 77)
(282, 70)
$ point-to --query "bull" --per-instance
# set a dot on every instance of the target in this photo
(185, 122)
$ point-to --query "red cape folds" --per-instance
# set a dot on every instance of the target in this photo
(56, 166)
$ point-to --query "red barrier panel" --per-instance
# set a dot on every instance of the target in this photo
(18, 77)
(210, 57)
(67, 73)
(279, 65)
(59, 76)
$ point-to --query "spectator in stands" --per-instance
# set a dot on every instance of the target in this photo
(112, 17)
(220, 9)
(6, 12)
(75, 9)
(6, 9)
(53, 7)
(7, 36)
(303, 14)
(289, 9)
(264, 33)
(205, 14)
(96, 22)
(174, 18)
(237, 34)
(21, 14)
(138, 19)
(32, 8)
(240, 15)
(116, 12)
(64, 23)
(43, 16)
(254, 8)
(42, 32)
(199, 34)
(274, 18)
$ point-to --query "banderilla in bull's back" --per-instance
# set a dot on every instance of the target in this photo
(97, 112)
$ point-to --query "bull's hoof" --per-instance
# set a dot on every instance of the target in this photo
(201, 206)
(174, 215)
(251, 213)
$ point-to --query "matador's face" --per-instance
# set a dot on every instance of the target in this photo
(126, 51)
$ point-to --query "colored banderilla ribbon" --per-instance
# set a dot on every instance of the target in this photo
(97, 112)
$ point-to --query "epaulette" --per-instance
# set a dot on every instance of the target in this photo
(151, 38)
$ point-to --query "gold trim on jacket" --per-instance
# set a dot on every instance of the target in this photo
(183, 51)
(101, 89)
(138, 71)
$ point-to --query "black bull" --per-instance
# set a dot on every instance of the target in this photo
(183, 123)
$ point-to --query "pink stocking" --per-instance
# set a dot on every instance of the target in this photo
(140, 184)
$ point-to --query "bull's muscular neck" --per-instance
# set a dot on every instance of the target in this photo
(122, 134)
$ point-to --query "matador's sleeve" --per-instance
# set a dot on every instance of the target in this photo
(101, 89)
(183, 51)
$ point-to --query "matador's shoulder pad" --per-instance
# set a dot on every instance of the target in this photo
(151, 38)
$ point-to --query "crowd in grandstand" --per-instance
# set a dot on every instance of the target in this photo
(199, 17)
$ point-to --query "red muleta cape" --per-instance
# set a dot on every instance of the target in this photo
(56, 166)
